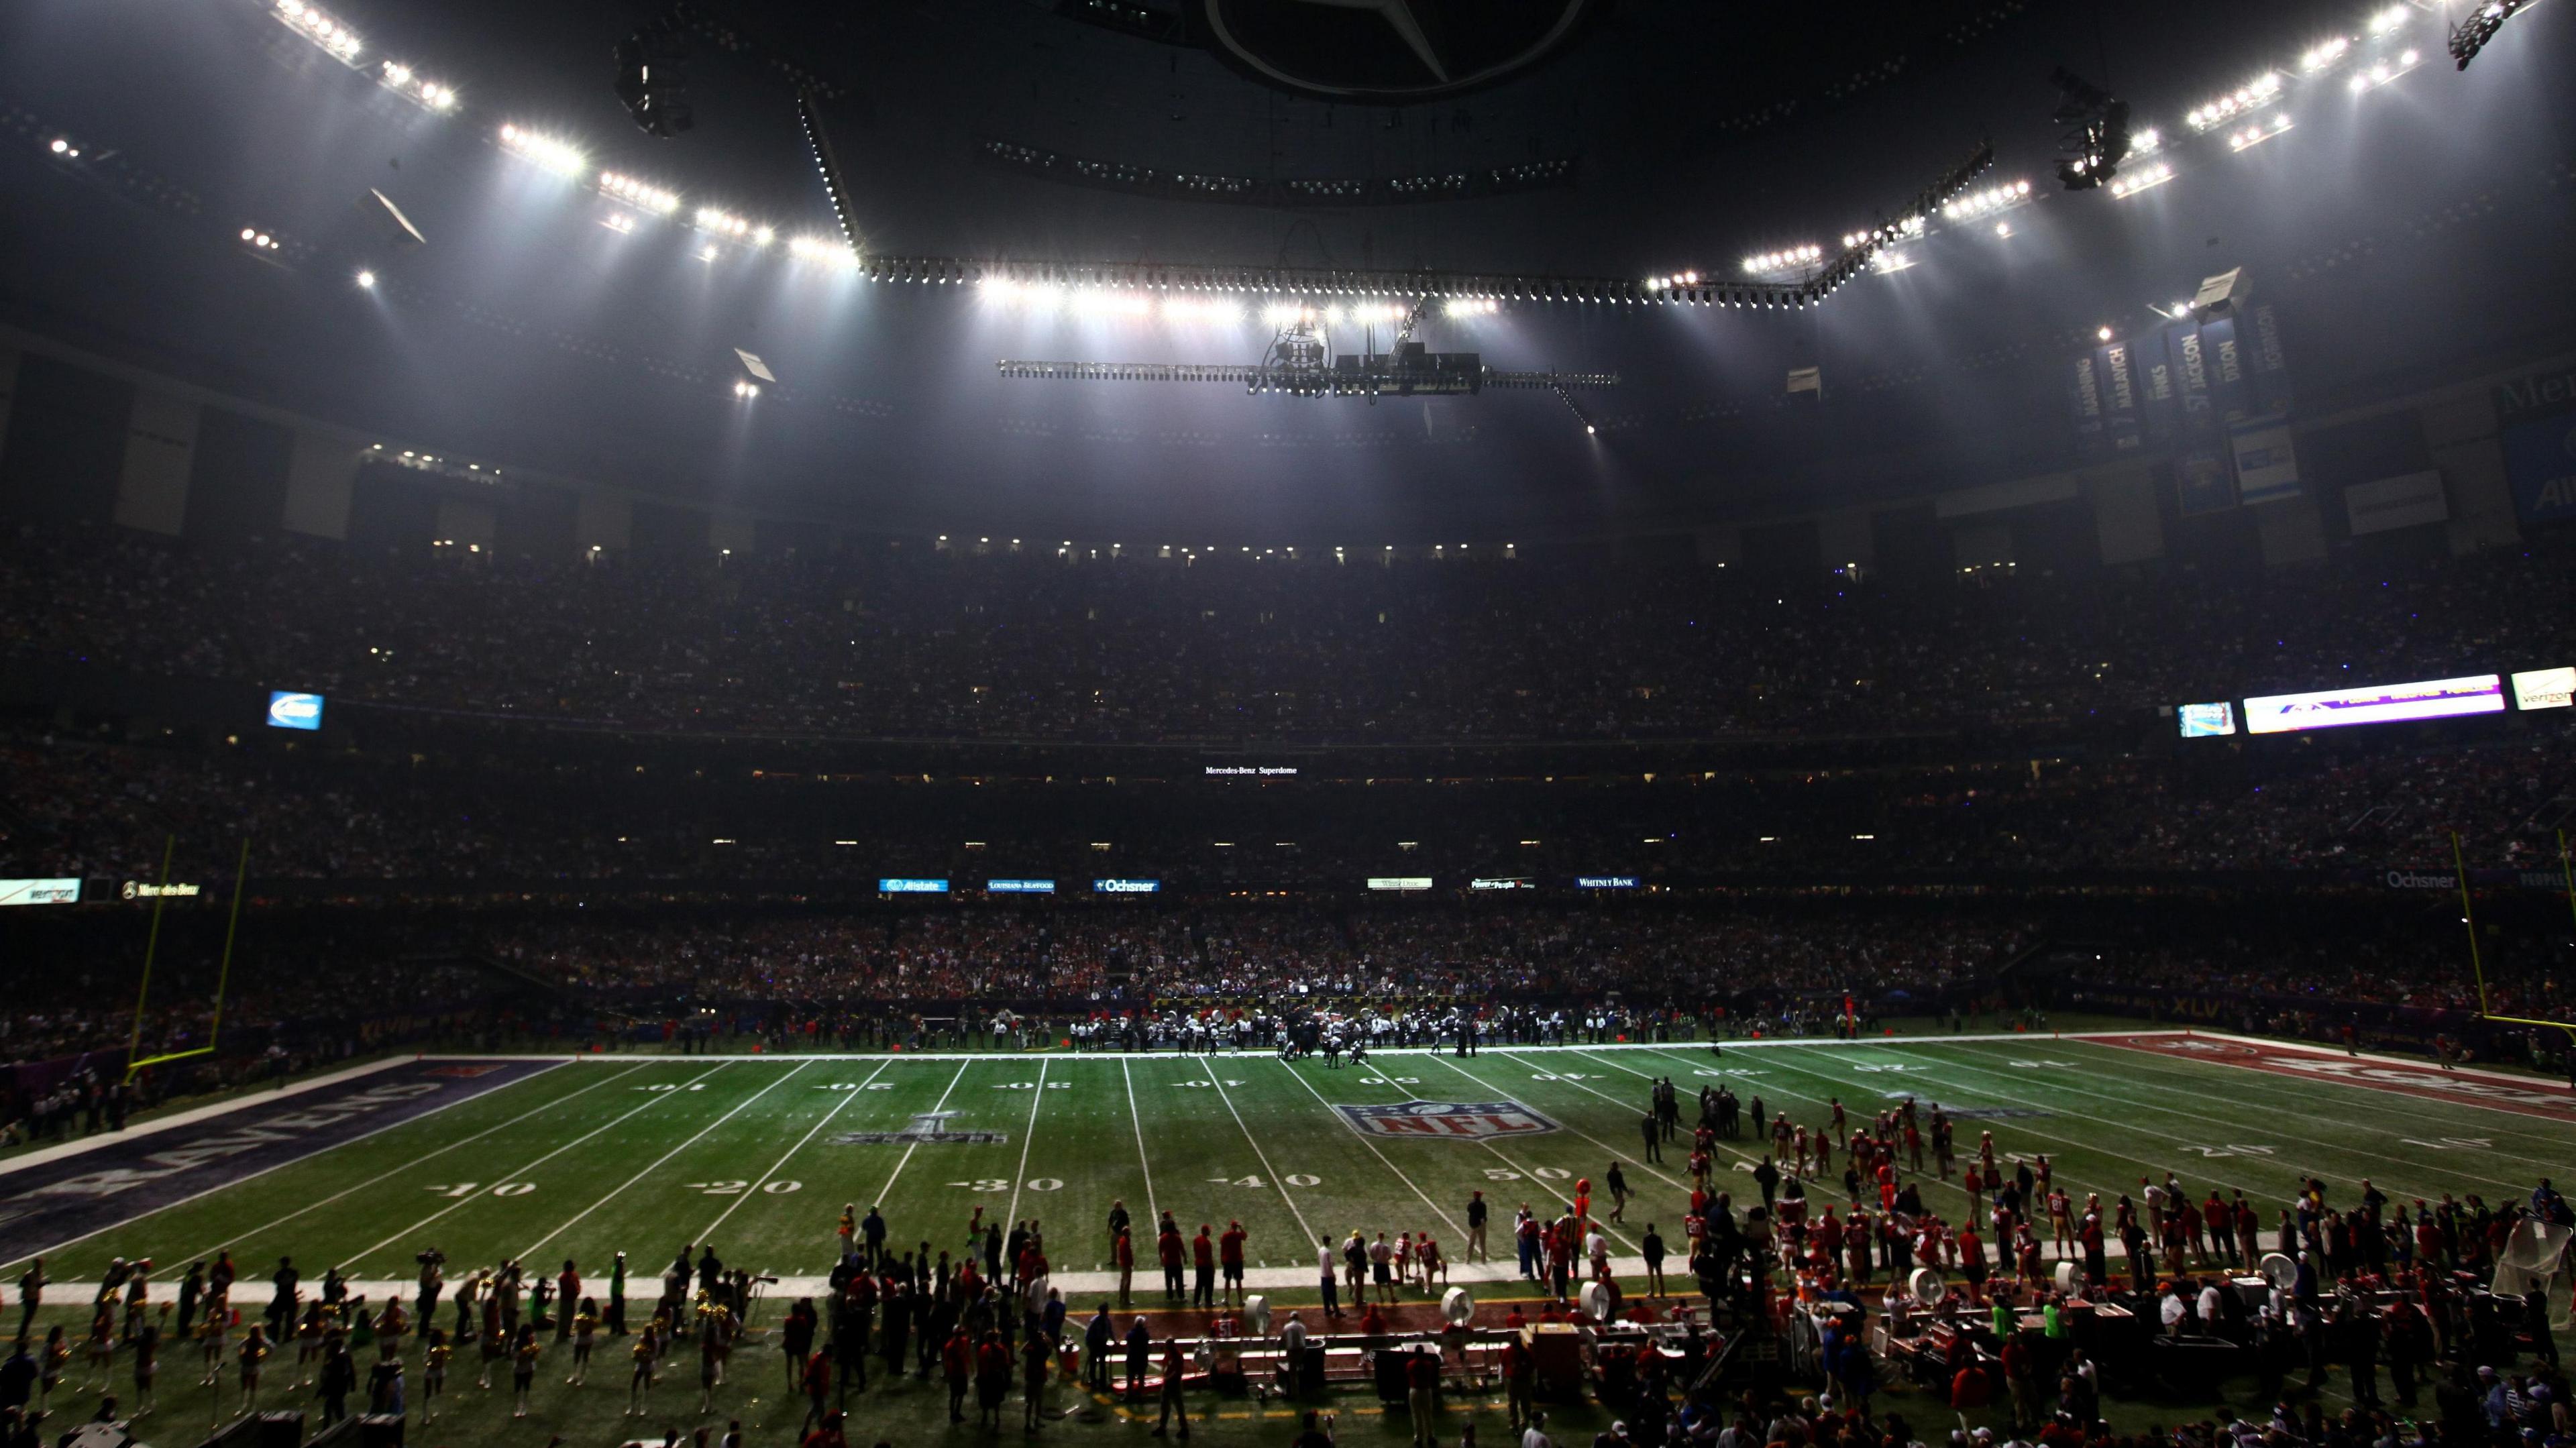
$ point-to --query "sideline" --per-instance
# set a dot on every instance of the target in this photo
(239, 1101)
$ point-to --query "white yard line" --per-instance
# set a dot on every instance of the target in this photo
(1740, 1153)
(415, 1161)
(1036, 1097)
(2337, 1148)
(2544, 1131)
(1615, 1154)
(1372, 1146)
(614, 1192)
(2207, 1170)
(1142, 1164)
(657, 1099)
(232, 1182)
(779, 1165)
(910, 1147)
(1276, 1180)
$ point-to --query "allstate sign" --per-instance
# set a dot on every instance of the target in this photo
(294, 711)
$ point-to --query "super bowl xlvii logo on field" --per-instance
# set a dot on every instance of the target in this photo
(1453, 1120)
(927, 1126)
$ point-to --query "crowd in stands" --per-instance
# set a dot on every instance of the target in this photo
(1122, 958)
(923, 642)
(104, 811)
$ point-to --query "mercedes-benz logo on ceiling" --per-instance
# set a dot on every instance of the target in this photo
(1389, 50)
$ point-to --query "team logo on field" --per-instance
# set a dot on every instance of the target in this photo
(1455, 1120)
(927, 1126)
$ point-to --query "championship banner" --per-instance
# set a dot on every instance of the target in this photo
(2107, 401)
(2156, 396)
(2202, 483)
(2224, 361)
(2085, 394)
(2267, 366)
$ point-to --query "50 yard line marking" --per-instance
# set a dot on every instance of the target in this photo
(1142, 1164)
(774, 1167)
(700, 1135)
(1373, 1151)
(657, 1099)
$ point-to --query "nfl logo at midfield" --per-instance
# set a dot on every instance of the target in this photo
(1448, 1120)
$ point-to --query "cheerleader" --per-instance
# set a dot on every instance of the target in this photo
(254, 1351)
(585, 1328)
(99, 1351)
(639, 1385)
(523, 1369)
(495, 1339)
(210, 1341)
(433, 1373)
(147, 1363)
(58, 1355)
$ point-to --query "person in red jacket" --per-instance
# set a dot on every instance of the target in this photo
(1167, 1247)
(1229, 1256)
(1173, 1404)
(992, 1379)
(1203, 1259)
(829, 1435)
(1126, 1256)
(957, 1360)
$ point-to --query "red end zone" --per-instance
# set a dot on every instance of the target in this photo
(2523, 1098)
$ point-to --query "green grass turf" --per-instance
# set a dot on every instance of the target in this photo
(644, 1153)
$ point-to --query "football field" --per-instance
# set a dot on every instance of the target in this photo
(757, 1154)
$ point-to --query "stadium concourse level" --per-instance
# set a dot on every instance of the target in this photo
(913, 642)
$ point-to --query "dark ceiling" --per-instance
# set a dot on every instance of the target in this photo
(2405, 234)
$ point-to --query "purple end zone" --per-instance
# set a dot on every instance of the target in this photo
(63, 1201)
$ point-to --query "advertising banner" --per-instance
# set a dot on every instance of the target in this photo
(2407, 501)
(2379, 704)
(2205, 721)
(2543, 688)
(2267, 465)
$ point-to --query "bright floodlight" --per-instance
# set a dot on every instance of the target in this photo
(367, 280)
(558, 156)
(638, 193)
(830, 250)
(2102, 333)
